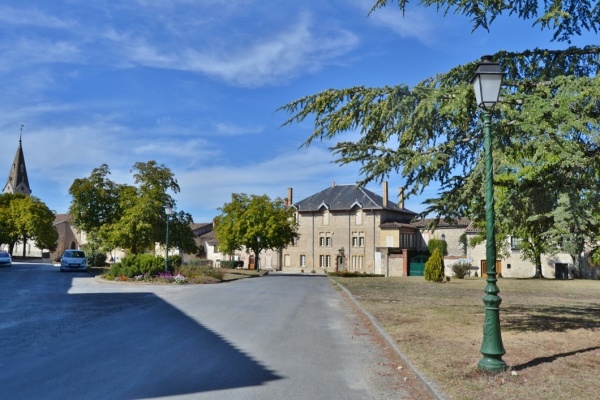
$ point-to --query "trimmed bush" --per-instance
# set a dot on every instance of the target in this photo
(232, 264)
(136, 265)
(434, 267)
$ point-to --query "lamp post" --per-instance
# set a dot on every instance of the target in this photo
(258, 253)
(487, 82)
(168, 211)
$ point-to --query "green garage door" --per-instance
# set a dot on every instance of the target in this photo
(417, 266)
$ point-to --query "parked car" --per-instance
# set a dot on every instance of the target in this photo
(5, 259)
(73, 260)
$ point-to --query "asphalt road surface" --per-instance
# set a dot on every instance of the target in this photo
(69, 336)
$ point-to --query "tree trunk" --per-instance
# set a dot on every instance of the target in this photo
(24, 245)
(538, 268)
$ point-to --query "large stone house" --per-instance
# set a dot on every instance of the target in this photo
(349, 228)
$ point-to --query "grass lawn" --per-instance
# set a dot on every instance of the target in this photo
(550, 331)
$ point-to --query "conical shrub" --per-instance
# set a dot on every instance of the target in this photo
(434, 267)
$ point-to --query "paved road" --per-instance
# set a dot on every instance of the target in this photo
(68, 336)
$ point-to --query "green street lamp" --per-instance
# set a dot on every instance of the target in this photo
(487, 82)
(168, 211)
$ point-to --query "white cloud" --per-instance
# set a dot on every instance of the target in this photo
(18, 54)
(265, 60)
(229, 129)
(32, 17)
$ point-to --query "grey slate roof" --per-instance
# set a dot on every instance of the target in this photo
(346, 197)
(18, 174)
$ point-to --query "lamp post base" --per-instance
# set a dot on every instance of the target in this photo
(491, 364)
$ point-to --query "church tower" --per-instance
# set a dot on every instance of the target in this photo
(17, 181)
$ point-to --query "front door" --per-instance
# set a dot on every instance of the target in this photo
(484, 268)
(561, 271)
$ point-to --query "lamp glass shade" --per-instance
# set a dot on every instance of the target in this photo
(168, 209)
(487, 82)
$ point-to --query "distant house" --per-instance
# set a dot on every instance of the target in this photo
(459, 235)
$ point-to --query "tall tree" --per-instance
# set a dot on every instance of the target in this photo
(27, 218)
(565, 17)
(131, 216)
(94, 203)
(254, 223)
(431, 133)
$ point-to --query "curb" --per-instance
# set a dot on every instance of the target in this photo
(392, 343)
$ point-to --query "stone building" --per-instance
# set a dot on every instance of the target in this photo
(349, 228)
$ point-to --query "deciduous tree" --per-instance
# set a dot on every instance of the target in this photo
(131, 216)
(26, 218)
(254, 223)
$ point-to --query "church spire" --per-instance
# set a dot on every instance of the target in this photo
(17, 181)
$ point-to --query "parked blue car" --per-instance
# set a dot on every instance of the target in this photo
(5, 259)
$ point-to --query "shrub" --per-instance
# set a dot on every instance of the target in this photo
(96, 260)
(434, 267)
(200, 263)
(139, 264)
(232, 264)
(174, 261)
(461, 269)
(356, 274)
(194, 272)
(439, 244)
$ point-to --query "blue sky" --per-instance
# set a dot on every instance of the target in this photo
(194, 85)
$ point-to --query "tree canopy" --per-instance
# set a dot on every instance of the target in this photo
(565, 17)
(131, 217)
(254, 223)
(545, 129)
(24, 218)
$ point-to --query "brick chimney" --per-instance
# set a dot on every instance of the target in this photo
(401, 197)
(289, 200)
(385, 194)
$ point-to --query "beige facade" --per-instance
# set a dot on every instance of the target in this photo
(514, 266)
(343, 228)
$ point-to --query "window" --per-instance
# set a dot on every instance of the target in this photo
(358, 239)
(325, 239)
(515, 243)
(358, 217)
(407, 240)
(357, 262)
(302, 260)
(295, 241)
(326, 217)
(286, 260)
(324, 261)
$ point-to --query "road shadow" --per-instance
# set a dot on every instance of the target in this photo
(551, 318)
(112, 346)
